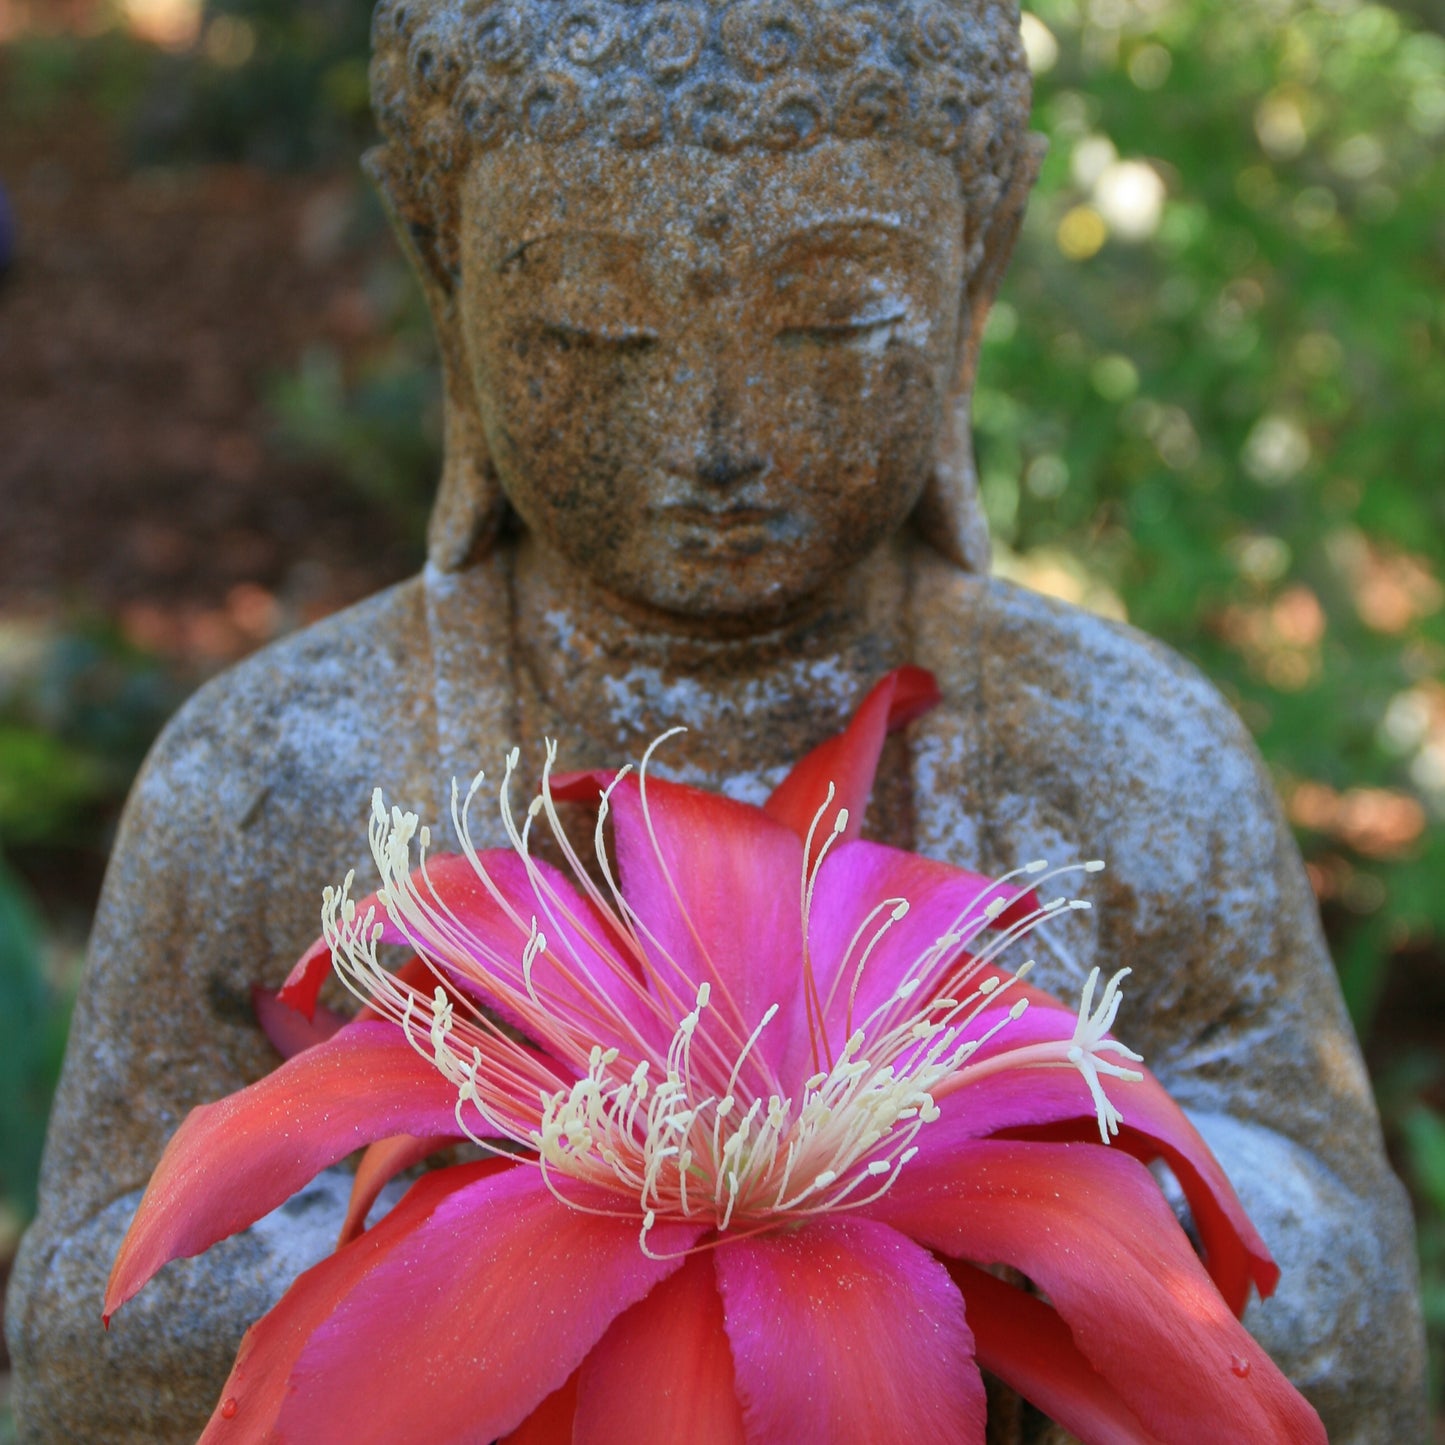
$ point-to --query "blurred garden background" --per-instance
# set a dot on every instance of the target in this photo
(1212, 402)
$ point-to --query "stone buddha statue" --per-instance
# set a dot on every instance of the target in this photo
(708, 281)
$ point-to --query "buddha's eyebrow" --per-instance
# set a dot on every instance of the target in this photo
(863, 235)
(517, 253)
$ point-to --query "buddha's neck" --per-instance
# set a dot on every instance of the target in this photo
(605, 678)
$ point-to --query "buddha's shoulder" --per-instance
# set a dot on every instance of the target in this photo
(347, 663)
(1056, 687)
(317, 709)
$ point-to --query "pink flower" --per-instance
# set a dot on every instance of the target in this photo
(761, 1114)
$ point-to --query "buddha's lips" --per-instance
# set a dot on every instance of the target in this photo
(757, 1101)
(701, 515)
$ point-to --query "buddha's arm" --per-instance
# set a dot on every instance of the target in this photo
(1067, 736)
(192, 913)
(1250, 1034)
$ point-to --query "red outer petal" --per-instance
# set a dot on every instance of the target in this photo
(846, 1333)
(257, 1386)
(380, 1164)
(233, 1161)
(663, 1373)
(303, 984)
(1054, 1104)
(1090, 1228)
(1025, 1343)
(551, 1422)
(1154, 1127)
(289, 1030)
(490, 1306)
(849, 760)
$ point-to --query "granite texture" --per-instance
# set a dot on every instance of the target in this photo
(707, 461)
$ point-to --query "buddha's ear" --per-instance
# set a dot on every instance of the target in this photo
(950, 513)
(469, 504)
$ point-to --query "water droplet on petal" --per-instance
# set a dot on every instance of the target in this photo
(1240, 1366)
(228, 1406)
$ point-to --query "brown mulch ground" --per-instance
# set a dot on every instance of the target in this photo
(139, 473)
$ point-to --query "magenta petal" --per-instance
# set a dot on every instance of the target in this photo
(849, 760)
(716, 887)
(1088, 1225)
(583, 975)
(257, 1386)
(855, 879)
(233, 1161)
(486, 1309)
(473, 925)
(582, 965)
(663, 1374)
(846, 1333)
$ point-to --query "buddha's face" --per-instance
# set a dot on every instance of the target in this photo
(710, 382)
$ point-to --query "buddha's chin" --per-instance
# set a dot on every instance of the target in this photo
(742, 579)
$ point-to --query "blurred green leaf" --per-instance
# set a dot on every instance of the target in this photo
(1425, 1138)
(32, 1040)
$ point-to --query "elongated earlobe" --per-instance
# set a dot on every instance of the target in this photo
(950, 513)
(469, 503)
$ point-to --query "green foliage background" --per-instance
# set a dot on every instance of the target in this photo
(1249, 403)
(1237, 424)
(1212, 398)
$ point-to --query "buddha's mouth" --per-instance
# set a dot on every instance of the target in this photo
(727, 516)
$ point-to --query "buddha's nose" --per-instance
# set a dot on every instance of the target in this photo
(724, 467)
(726, 454)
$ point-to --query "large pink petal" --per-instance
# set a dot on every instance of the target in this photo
(846, 1333)
(246, 1412)
(489, 1306)
(1054, 1103)
(1090, 1228)
(233, 1161)
(849, 760)
(1024, 1342)
(663, 1373)
(716, 887)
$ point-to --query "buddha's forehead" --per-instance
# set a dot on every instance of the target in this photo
(750, 202)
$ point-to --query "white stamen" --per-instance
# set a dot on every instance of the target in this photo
(703, 1128)
(1089, 1041)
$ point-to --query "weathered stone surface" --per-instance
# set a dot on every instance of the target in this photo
(712, 377)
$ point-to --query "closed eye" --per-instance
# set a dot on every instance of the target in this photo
(851, 328)
(614, 338)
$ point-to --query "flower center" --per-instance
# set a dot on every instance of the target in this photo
(692, 1131)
